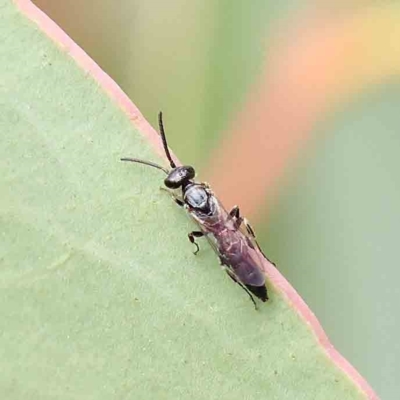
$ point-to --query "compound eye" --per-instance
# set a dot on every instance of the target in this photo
(190, 172)
(178, 176)
(171, 183)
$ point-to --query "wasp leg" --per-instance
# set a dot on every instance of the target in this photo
(251, 232)
(191, 237)
(249, 228)
(235, 215)
(177, 200)
(242, 286)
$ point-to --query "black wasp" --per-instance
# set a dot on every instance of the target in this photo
(229, 234)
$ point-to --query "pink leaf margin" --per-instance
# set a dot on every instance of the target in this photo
(54, 32)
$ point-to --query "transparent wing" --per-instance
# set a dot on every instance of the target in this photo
(248, 263)
(262, 260)
(236, 247)
(239, 254)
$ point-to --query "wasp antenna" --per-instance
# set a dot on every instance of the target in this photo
(164, 140)
(150, 164)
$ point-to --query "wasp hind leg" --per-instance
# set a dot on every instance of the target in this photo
(243, 287)
(251, 232)
(191, 236)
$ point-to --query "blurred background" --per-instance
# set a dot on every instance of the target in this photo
(292, 110)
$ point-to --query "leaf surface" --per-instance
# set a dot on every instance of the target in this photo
(101, 296)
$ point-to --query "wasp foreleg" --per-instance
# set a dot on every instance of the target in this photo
(177, 200)
(191, 237)
(233, 277)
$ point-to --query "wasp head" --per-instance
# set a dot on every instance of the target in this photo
(179, 177)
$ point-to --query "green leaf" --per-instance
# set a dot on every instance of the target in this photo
(101, 296)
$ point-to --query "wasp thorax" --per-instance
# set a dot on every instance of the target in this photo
(179, 176)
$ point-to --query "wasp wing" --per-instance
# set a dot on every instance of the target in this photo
(233, 244)
(248, 233)
(244, 259)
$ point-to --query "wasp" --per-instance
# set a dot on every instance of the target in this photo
(229, 234)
